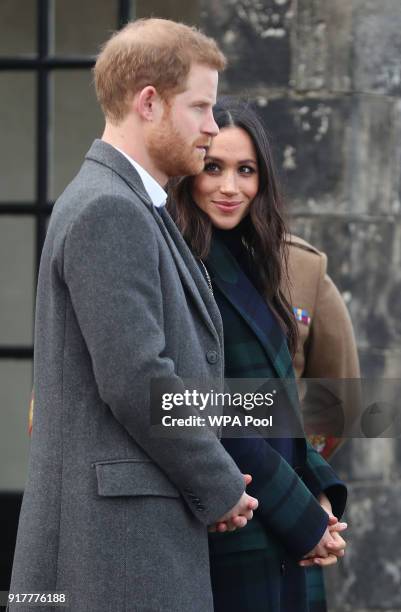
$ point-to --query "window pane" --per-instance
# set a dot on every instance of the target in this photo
(81, 26)
(187, 12)
(17, 27)
(77, 121)
(16, 280)
(15, 392)
(17, 129)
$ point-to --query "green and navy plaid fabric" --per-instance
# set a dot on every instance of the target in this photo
(289, 520)
(241, 293)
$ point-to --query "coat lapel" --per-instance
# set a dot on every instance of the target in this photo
(241, 293)
(190, 275)
(264, 331)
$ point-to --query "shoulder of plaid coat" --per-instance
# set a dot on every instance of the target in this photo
(327, 348)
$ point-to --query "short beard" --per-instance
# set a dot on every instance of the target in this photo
(170, 153)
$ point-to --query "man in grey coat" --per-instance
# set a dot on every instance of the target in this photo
(113, 517)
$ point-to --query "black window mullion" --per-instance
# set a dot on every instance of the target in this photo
(16, 352)
(124, 12)
(42, 129)
(59, 63)
(24, 208)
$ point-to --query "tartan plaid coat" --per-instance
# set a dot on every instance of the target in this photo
(256, 568)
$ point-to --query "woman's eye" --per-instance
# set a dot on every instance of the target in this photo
(211, 167)
(247, 170)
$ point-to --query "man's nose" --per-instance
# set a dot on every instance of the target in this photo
(210, 126)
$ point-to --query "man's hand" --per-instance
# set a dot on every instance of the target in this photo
(240, 514)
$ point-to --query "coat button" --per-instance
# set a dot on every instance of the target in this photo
(212, 357)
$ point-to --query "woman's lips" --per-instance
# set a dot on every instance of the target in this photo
(226, 206)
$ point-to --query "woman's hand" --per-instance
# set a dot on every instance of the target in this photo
(329, 549)
(331, 546)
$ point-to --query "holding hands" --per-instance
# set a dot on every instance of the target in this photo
(331, 546)
(240, 514)
(327, 551)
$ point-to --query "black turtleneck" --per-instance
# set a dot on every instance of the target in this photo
(233, 239)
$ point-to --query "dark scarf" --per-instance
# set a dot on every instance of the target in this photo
(255, 345)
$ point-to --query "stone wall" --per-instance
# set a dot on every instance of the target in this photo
(326, 75)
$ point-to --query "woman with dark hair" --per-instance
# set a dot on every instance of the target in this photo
(231, 215)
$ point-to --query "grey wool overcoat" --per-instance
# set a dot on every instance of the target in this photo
(115, 517)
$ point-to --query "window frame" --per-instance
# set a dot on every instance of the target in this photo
(42, 64)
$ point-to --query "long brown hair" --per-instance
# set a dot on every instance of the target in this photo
(264, 229)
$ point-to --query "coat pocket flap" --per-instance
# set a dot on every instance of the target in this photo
(121, 478)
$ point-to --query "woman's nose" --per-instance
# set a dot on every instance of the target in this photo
(229, 184)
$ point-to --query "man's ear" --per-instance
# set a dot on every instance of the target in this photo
(148, 103)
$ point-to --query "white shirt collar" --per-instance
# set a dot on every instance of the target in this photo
(153, 189)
